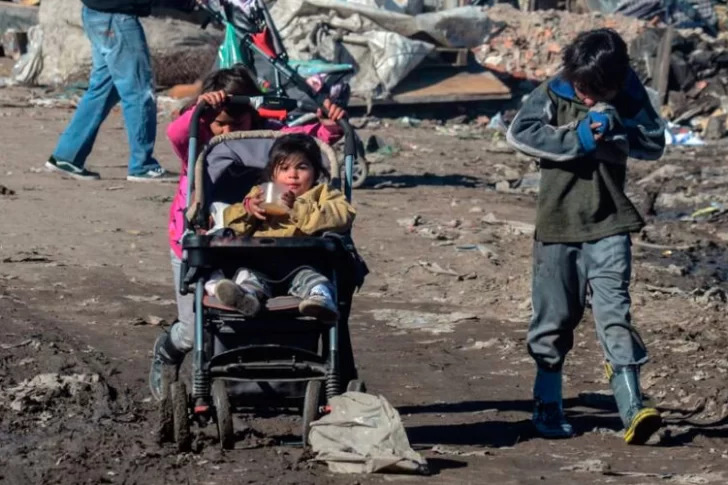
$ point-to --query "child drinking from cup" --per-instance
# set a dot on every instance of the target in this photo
(295, 201)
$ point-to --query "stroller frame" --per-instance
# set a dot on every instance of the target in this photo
(278, 59)
(203, 253)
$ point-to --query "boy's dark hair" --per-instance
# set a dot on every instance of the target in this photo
(237, 81)
(300, 145)
(597, 62)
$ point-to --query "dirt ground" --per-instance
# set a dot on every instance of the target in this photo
(438, 329)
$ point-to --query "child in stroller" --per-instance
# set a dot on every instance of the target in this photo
(221, 118)
(295, 164)
(279, 357)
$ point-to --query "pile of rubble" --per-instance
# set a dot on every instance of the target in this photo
(698, 94)
(528, 44)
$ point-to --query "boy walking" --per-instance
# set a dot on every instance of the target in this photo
(583, 125)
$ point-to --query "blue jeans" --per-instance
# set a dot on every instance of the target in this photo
(121, 71)
(561, 274)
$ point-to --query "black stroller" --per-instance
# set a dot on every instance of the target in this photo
(277, 359)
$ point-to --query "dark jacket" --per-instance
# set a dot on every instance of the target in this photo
(581, 195)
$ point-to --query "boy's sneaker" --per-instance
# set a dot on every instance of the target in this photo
(550, 422)
(320, 305)
(233, 295)
(70, 170)
(154, 175)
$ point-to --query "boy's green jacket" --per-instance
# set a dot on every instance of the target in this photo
(581, 195)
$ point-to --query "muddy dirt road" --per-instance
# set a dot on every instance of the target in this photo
(438, 329)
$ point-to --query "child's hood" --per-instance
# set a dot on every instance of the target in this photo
(563, 89)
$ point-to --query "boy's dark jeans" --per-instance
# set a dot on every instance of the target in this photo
(561, 273)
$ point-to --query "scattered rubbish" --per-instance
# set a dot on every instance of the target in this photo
(437, 269)
(364, 434)
(410, 122)
(677, 135)
(435, 323)
(497, 123)
(32, 257)
(588, 466)
(15, 346)
(450, 451)
(30, 64)
(6, 191)
(707, 211)
(710, 295)
(149, 320)
(410, 222)
(516, 227)
(482, 248)
(34, 394)
(503, 344)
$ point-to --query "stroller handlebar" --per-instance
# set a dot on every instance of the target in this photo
(272, 102)
(350, 139)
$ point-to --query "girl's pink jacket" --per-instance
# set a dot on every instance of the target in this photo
(178, 133)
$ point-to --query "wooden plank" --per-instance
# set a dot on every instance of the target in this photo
(444, 86)
(662, 70)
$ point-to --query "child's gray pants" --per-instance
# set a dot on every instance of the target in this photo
(561, 273)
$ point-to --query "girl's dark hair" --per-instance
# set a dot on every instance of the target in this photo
(300, 145)
(237, 81)
(597, 62)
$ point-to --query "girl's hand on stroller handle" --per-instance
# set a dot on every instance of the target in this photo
(215, 99)
(333, 112)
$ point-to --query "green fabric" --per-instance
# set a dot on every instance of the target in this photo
(229, 53)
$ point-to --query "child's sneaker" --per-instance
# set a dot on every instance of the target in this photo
(233, 295)
(550, 422)
(154, 175)
(320, 305)
(70, 170)
(640, 422)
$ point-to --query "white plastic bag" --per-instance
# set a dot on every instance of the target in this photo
(364, 434)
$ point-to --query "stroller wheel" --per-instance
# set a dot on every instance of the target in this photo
(360, 173)
(180, 416)
(311, 402)
(356, 385)
(165, 431)
(223, 414)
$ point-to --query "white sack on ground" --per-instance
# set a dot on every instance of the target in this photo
(364, 434)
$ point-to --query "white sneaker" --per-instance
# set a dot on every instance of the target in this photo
(320, 305)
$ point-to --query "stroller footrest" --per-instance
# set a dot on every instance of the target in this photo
(278, 304)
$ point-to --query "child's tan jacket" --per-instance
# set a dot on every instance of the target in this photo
(321, 209)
